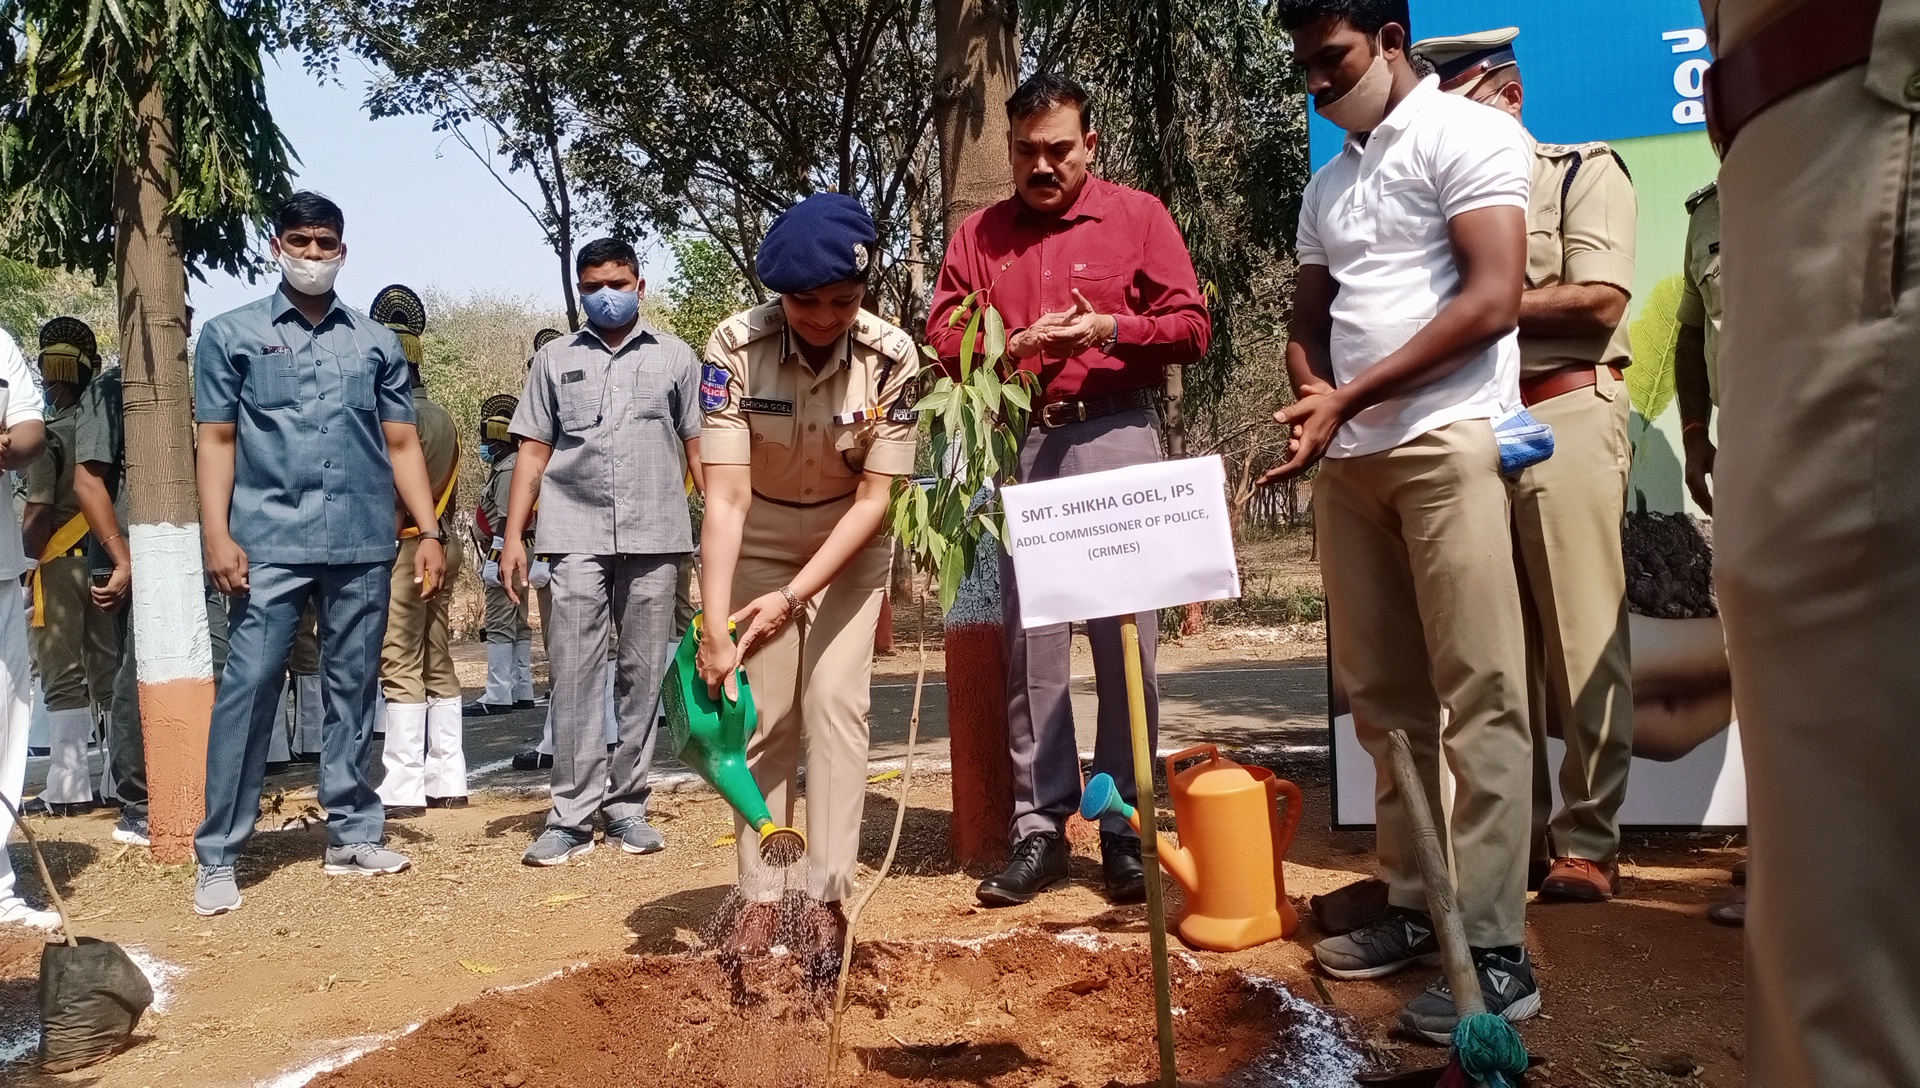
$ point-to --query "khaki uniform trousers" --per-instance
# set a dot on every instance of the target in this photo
(1424, 614)
(1573, 588)
(1817, 563)
(416, 657)
(77, 652)
(812, 679)
(506, 621)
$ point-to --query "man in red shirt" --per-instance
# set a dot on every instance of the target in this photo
(1099, 298)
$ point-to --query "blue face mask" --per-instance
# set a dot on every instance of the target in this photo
(486, 454)
(611, 309)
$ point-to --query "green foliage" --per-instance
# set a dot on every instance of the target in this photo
(976, 419)
(29, 296)
(69, 80)
(1650, 380)
(706, 289)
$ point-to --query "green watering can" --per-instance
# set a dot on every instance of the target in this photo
(711, 737)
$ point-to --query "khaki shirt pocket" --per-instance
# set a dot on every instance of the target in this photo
(1546, 252)
(849, 458)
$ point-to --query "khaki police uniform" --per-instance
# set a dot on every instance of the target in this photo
(509, 636)
(1700, 284)
(807, 438)
(423, 753)
(1816, 530)
(75, 648)
(1567, 509)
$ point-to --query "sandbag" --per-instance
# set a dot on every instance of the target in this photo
(91, 998)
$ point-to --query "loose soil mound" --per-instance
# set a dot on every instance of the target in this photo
(1669, 567)
(19, 1002)
(1027, 1010)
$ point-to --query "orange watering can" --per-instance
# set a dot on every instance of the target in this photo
(1233, 838)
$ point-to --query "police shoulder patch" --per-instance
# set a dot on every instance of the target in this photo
(713, 386)
(902, 410)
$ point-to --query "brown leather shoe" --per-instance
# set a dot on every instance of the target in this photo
(1577, 880)
(753, 931)
(1739, 876)
(1729, 912)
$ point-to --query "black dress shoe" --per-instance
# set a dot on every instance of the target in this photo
(1039, 862)
(524, 704)
(405, 812)
(531, 760)
(306, 757)
(277, 766)
(485, 710)
(1120, 864)
(447, 802)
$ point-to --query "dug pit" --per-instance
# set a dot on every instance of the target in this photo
(1026, 1010)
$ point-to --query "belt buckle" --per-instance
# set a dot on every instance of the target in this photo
(1077, 409)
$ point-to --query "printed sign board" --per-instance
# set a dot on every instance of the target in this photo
(1128, 540)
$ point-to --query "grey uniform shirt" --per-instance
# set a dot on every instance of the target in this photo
(617, 422)
(312, 481)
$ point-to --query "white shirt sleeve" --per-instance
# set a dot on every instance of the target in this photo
(24, 400)
(1480, 162)
(1307, 247)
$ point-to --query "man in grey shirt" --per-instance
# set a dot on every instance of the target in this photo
(603, 423)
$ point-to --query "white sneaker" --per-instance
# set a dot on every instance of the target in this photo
(17, 911)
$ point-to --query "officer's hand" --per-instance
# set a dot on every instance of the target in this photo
(430, 567)
(114, 594)
(716, 660)
(513, 570)
(1036, 337)
(1083, 328)
(761, 617)
(1312, 422)
(226, 565)
(1700, 453)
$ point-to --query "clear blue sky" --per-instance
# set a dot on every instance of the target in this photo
(420, 208)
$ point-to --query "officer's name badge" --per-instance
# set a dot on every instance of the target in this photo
(713, 387)
(766, 407)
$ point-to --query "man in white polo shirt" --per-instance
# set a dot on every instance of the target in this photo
(1413, 246)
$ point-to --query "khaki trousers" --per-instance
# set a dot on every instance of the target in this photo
(1573, 589)
(812, 679)
(1817, 552)
(77, 652)
(506, 621)
(1424, 613)
(416, 657)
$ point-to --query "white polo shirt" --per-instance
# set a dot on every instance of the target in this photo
(1376, 217)
(23, 405)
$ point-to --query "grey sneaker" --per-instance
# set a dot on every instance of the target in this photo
(132, 831)
(1399, 938)
(557, 846)
(215, 891)
(363, 859)
(1506, 984)
(636, 835)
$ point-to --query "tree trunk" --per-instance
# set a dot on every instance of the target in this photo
(976, 66)
(975, 69)
(174, 654)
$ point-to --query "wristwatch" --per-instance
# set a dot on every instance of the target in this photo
(433, 534)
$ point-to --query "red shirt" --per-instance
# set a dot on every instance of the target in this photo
(1117, 246)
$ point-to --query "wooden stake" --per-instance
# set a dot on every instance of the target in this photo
(1149, 849)
(1455, 958)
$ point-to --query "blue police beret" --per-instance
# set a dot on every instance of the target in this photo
(824, 239)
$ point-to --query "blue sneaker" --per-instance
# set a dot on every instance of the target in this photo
(557, 846)
(636, 835)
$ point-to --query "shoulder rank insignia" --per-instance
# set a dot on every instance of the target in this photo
(1699, 196)
(713, 387)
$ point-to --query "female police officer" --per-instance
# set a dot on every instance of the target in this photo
(809, 417)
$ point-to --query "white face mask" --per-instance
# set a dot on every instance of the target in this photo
(310, 277)
(1365, 103)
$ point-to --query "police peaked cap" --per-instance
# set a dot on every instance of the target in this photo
(400, 309)
(1460, 60)
(544, 337)
(826, 238)
(69, 352)
(496, 415)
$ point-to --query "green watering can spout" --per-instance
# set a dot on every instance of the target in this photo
(710, 736)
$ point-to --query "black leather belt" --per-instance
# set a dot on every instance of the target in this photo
(801, 505)
(1062, 412)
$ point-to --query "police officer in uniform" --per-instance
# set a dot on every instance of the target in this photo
(75, 646)
(509, 637)
(1567, 509)
(809, 418)
(1696, 355)
(423, 756)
